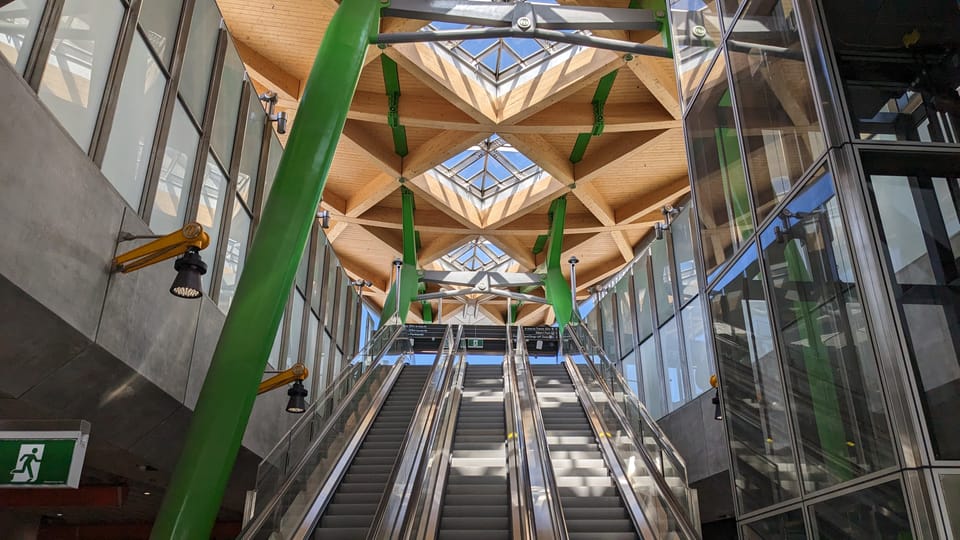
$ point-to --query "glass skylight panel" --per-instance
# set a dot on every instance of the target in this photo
(488, 168)
(475, 255)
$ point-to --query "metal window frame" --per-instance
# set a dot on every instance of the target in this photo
(42, 43)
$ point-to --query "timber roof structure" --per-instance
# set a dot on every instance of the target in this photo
(490, 131)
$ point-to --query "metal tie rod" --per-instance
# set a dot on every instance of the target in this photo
(536, 33)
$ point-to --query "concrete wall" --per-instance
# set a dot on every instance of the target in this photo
(77, 341)
(700, 440)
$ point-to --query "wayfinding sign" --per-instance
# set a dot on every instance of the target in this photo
(42, 453)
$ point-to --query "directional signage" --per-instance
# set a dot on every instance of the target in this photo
(42, 453)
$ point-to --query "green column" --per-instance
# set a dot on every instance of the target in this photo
(193, 498)
(409, 284)
(556, 287)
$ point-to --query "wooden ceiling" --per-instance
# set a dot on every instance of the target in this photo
(627, 174)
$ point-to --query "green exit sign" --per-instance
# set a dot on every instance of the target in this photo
(474, 343)
(42, 453)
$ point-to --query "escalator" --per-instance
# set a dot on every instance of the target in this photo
(476, 501)
(462, 449)
(591, 504)
(355, 501)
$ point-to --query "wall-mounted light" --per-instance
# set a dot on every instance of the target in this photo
(717, 410)
(669, 212)
(187, 242)
(297, 403)
(270, 98)
(324, 217)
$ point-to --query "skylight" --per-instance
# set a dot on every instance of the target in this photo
(489, 168)
(499, 59)
(475, 255)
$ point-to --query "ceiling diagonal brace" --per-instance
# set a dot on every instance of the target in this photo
(548, 16)
(391, 81)
(555, 285)
(599, 100)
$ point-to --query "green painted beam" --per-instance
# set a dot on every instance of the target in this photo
(599, 101)
(213, 439)
(391, 81)
(659, 9)
(555, 285)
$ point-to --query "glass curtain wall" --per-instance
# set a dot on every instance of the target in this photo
(823, 149)
(180, 142)
(650, 317)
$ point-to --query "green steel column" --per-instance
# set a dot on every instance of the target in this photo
(409, 278)
(193, 499)
(556, 287)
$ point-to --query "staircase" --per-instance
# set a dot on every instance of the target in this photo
(350, 514)
(591, 504)
(476, 504)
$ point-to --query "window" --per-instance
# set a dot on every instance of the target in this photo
(76, 73)
(210, 210)
(876, 513)
(662, 282)
(653, 397)
(723, 202)
(176, 174)
(829, 363)
(672, 364)
(228, 104)
(898, 92)
(159, 19)
(127, 157)
(696, 33)
(625, 315)
(786, 526)
(915, 198)
(753, 396)
(235, 254)
(686, 270)
(642, 289)
(317, 298)
(778, 118)
(296, 325)
(20, 21)
(250, 155)
(198, 61)
(699, 363)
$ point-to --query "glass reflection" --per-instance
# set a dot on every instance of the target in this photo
(778, 120)
(699, 363)
(876, 513)
(210, 210)
(20, 22)
(696, 34)
(641, 287)
(723, 203)
(653, 396)
(250, 154)
(686, 270)
(127, 156)
(176, 173)
(608, 325)
(235, 254)
(764, 466)
(228, 104)
(624, 315)
(785, 526)
(296, 325)
(900, 68)
(317, 297)
(830, 366)
(916, 198)
(672, 364)
(198, 61)
(662, 282)
(159, 19)
(76, 71)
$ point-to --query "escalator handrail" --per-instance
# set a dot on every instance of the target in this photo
(424, 520)
(546, 484)
(591, 408)
(391, 511)
(661, 437)
(614, 465)
(521, 513)
(258, 521)
(321, 396)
